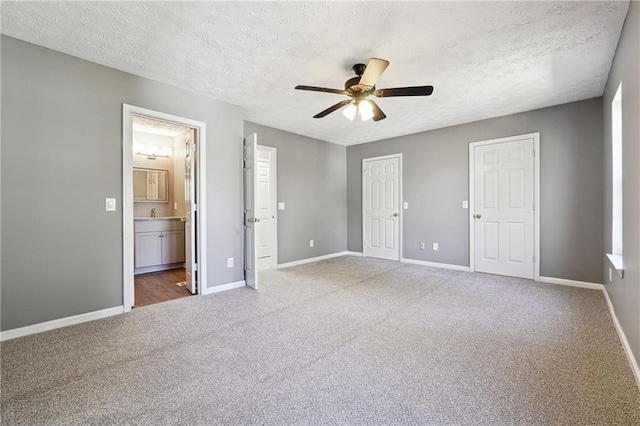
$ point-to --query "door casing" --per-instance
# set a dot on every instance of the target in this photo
(398, 207)
(128, 111)
(536, 196)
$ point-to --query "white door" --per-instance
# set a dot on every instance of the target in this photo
(266, 203)
(503, 208)
(381, 207)
(190, 211)
(250, 218)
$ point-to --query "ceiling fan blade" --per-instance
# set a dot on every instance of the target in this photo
(377, 112)
(404, 91)
(332, 108)
(322, 89)
(374, 70)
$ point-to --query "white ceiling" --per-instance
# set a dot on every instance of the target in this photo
(157, 127)
(485, 59)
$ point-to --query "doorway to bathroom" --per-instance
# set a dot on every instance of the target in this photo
(163, 206)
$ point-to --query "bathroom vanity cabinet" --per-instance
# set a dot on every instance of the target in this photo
(159, 244)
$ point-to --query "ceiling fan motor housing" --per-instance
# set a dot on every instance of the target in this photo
(353, 86)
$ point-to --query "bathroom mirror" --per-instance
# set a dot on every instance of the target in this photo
(150, 185)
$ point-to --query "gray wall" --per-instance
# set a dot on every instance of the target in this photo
(436, 181)
(312, 184)
(625, 293)
(62, 155)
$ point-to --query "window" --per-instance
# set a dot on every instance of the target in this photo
(616, 181)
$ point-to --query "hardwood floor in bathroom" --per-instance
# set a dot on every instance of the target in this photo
(156, 287)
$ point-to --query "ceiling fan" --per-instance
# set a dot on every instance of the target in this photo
(360, 87)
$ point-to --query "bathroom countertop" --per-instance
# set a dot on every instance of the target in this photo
(159, 218)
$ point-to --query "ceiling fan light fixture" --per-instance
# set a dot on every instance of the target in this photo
(366, 110)
(350, 111)
(360, 87)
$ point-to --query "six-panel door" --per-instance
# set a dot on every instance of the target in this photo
(381, 208)
(504, 208)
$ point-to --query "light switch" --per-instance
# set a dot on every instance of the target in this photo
(465, 204)
(406, 205)
(281, 205)
(110, 205)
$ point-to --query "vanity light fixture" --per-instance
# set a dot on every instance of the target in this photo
(152, 151)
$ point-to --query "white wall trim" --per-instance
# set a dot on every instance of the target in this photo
(353, 253)
(435, 264)
(536, 197)
(312, 259)
(223, 287)
(633, 363)
(59, 323)
(571, 283)
(127, 195)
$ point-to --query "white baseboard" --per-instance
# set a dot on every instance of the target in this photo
(435, 265)
(353, 253)
(623, 339)
(58, 323)
(572, 283)
(223, 287)
(313, 259)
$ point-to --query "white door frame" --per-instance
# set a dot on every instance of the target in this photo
(127, 195)
(273, 182)
(399, 206)
(536, 197)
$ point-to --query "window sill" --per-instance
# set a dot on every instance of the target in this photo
(617, 262)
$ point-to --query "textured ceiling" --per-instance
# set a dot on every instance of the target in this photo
(485, 59)
(157, 127)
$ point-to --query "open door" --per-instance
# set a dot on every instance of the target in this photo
(190, 212)
(250, 219)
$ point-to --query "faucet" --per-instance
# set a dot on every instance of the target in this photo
(153, 212)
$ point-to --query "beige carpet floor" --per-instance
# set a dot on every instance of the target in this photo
(343, 341)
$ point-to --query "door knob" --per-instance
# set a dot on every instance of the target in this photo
(395, 215)
(477, 216)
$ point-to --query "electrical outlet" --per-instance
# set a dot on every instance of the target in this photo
(610, 275)
(421, 246)
(310, 243)
(465, 204)
(406, 205)
(435, 247)
(230, 262)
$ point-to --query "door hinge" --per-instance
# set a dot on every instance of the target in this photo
(195, 207)
(195, 266)
(533, 206)
(533, 259)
